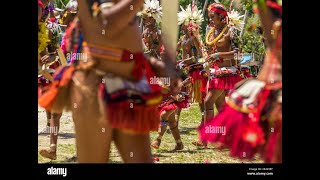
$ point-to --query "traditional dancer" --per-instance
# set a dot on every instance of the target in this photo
(126, 108)
(151, 36)
(49, 60)
(190, 20)
(72, 50)
(185, 94)
(252, 114)
(222, 47)
(167, 113)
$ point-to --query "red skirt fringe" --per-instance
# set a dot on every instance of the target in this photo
(238, 126)
(225, 83)
(140, 119)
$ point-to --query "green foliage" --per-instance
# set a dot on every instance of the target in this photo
(252, 38)
(58, 3)
(248, 4)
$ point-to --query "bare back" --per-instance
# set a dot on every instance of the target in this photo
(128, 38)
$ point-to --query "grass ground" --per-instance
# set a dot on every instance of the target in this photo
(189, 120)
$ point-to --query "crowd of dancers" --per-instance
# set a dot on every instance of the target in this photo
(96, 58)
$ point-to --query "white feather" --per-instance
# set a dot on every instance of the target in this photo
(151, 8)
(235, 19)
(186, 15)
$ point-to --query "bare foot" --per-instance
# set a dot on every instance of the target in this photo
(47, 153)
(199, 144)
(156, 143)
(179, 146)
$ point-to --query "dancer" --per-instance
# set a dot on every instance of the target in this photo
(167, 113)
(252, 114)
(190, 20)
(50, 62)
(151, 36)
(124, 108)
(222, 47)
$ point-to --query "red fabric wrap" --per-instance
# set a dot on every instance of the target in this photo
(218, 8)
(167, 106)
(183, 104)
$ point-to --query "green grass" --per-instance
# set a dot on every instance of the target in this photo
(189, 121)
(65, 154)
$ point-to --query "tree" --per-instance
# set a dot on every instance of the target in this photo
(252, 41)
(61, 3)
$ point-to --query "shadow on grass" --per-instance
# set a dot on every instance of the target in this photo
(179, 151)
(187, 130)
(66, 135)
(60, 135)
(184, 130)
(158, 155)
(72, 159)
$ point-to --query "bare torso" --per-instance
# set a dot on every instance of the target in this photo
(151, 37)
(222, 45)
(187, 45)
(94, 32)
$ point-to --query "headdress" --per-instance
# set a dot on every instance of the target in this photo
(193, 15)
(153, 9)
(233, 18)
(72, 6)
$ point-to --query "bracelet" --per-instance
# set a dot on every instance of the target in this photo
(217, 57)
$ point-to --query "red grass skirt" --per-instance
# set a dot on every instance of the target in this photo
(134, 117)
(140, 119)
(225, 82)
(242, 135)
(204, 88)
(183, 104)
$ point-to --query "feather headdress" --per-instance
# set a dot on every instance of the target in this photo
(185, 16)
(153, 9)
(236, 19)
(72, 6)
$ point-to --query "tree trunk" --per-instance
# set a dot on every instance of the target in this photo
(244, 24)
